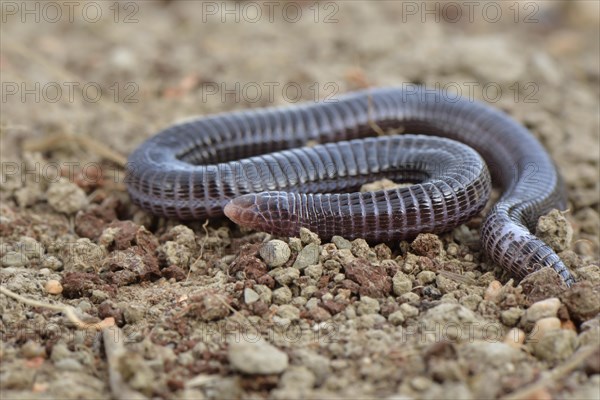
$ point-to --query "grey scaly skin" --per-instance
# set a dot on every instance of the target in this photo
(251, 166)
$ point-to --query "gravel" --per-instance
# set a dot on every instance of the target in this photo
(258, 358)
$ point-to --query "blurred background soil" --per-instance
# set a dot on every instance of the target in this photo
(83, 84)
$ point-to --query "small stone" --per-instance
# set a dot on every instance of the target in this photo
(68, 364)
(309, 290)
(250, 296)
(134, 313)
(542, 309)
(32, 349)
(319, 314)
(409, 311)
(66, 197)
(428, 245)
(312, 303)
(83, 255)
(492, 291)
(425, 277)
(52, 263)
(84, 306)
(449, 314)
(285, 276)
(411, 263)
(515, 338)
(410, 297)
(396, 318)
(543, 326)
(445, 285)
(582, 300)
(259, 358)
(14, 259)
(314, 271)
(511, 316)
(98, 296)
(341, 243)
(420, 383)
(209, 306)
(367, 305)
(299, 301)
(53, 287)
(282, 295)
(309, 255)
(297, 377)
(452, 249)
(275, 253)
(555, 345)
(372, 280)
(288, 312)
(471, 301)
(308, 237)
(360, 248)
(382, 251)
(264, 292)
(295, 244)
(554, 229)
(401, 283)
(491, 354)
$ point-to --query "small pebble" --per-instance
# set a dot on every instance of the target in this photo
(53, 287)
(84, 306)
(555, 230)
(428, 245)
(275, 253)
(308, 237)
(134, 313)
(258, 358)
(288, 312)
(555, 345)
(515, 338)
(282, 295)
(396, 318)
(425, 277)
(367, 305)
(410, 297)
(309, 255)
(341, 243)
(492, 291)
(582, 300)
(297, 377)
(285, 276)
(511, 316)
(543, 326)
(314, 271)
(471, 301)
(542, 309)
(401, 283)
(295, 244)
(408, 310)
(32, 349)
(68, 364)
(66, 197)
(52, 263)
(264, 292)
(250, 296)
